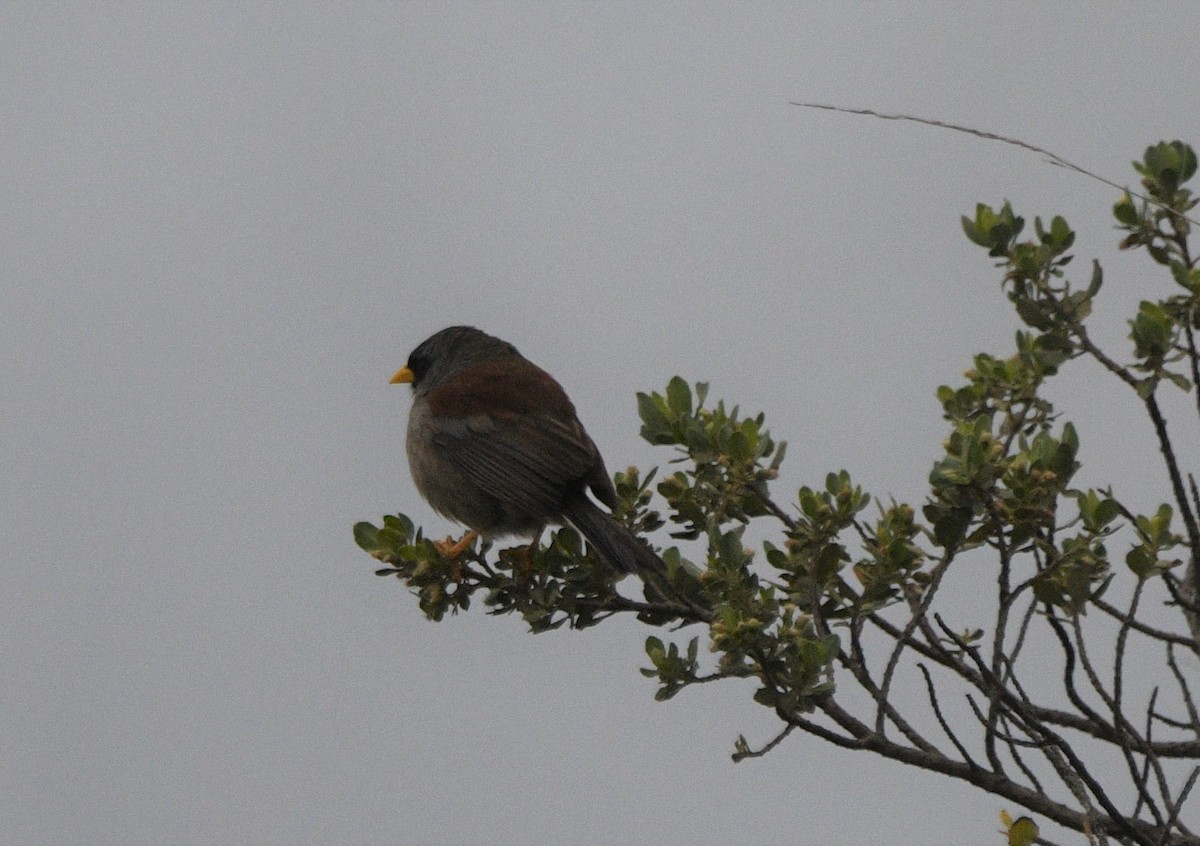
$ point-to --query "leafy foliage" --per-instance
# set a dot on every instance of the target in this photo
(838, 598)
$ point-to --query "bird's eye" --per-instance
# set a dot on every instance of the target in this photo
(418, 363)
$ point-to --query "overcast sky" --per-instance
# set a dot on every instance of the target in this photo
(224, 227)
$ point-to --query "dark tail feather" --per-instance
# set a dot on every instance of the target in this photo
(617, 545)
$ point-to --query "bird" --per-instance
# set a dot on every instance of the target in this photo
(494, 443)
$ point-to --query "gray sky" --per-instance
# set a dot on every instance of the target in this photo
(225, 226)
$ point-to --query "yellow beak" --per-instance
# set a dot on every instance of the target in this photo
(403, 376)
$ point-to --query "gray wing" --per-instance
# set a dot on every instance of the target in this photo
(531, 464)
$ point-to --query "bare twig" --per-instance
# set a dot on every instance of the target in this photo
(778, 739)
(941, 718)
(1137, 625)
(1053, 158)
(1184, 690)
(776, 511)
(918, 614)
(1181, 498)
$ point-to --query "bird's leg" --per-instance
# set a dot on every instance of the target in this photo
(451, 549)
(533, 544)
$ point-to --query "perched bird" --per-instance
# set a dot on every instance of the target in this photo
(494, 443)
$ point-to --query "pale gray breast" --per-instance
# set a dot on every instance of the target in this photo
(448, 490)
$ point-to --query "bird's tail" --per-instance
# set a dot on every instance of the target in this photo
(618, 546)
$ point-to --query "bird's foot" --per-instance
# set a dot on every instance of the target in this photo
(452, 549)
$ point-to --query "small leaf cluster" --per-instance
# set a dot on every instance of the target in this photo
(774, 643)
(412, 557)
(797, 669)
(1006, 474)
(1007, 388)
(1002, 483)
(1146, 559)
(1159, 224)
(895, 563)
(674, 670)
(757, 630)
(962, 484)
(731, 458)
(1156, 333)
(549, 585)
(1022, 831)
(1034, 280)
(815, 555)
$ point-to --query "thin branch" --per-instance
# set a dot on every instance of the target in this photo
(778, 739)
(1181, 498)
(1150, 762)
(1026, 618)
(1077, 769)
(1194, 564)
(941, 718)
(1014, 747)
(1069, 663)
(1006, 735)
(861, 737)
(1143, 628)
(1144, 776)
(1088, 723)
(1176, 590)
(1054, 158)
(1170, 723)
(885, 707)
(932, 650)
(1184, 690)
(617, 603)
(1014, 752)
(1059, 753)
(1194, 360)
(778, 512)
(1177, 806)
(918, 614)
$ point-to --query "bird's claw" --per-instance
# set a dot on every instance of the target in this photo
(452, 549)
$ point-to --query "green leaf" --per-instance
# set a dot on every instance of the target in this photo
(1126, 212)
(780, 452)
(1152, 331)
(1023, 832)
(1097, 279)
(738, 446)
(1033, 314)
(656, 428)
(366, 536)
(679, 396)
(1167, 165)
(1070, 438)
(1061, 237)
(1187, 161)
(992, 229)
(951, 527)
(1179, 380)
(766, 696)
(1106, 512)
(655, 649)
(665, 693)
(1141, 561)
